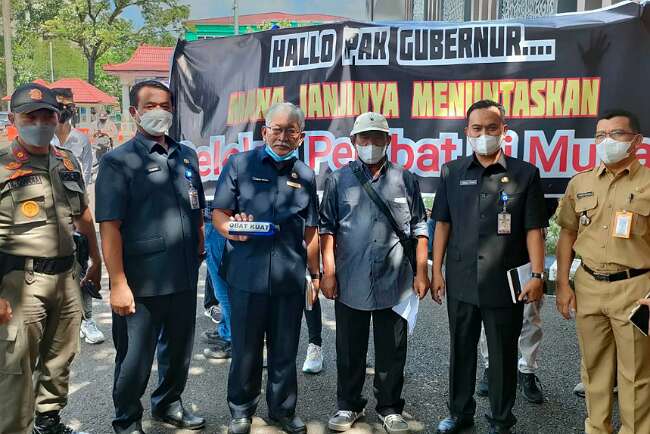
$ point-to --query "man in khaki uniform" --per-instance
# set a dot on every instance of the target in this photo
(41, 194)
(605, 218)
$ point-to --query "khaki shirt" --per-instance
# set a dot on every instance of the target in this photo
(39, 196)
(598, 194)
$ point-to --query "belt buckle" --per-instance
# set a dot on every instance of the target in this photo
(601, 277)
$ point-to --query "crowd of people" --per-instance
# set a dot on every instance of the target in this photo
(365, 245)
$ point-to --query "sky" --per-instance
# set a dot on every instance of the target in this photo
(218, 8)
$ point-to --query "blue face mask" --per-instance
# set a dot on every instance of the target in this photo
(277, 157)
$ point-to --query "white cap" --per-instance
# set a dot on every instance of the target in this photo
(370, 121)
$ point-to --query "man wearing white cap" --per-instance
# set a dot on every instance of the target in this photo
(373, 213)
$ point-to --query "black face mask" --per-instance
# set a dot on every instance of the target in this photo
(65, 115)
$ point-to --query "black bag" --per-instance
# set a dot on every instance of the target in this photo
(409, 243)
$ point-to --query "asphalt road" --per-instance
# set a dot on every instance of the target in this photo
(425, 390)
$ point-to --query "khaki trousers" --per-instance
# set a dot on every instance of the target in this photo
(37, 346)
(612, 348)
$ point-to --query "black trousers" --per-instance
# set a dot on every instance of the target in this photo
(209, 299)
(165, 323)
(502, 330)
(314, 321)
(253, 317)
(390, 335)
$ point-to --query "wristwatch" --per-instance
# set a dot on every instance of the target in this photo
(315, 276)
(537, 276)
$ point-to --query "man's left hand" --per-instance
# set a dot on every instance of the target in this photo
(94, 274)
(421, 285)
(315, 289)
(533, 291)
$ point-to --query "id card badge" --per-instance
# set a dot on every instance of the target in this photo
(194, 197)
(504, 223)
(622, 224)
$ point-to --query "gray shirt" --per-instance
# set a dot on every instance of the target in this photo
(372, 271)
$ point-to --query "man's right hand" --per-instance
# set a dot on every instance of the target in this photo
(438, 287)
(565, 300)
(328, 286)
(5, 311)
(122, 301)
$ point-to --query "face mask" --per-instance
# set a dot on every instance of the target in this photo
(65, 115)
(612, 151)
(277, 157)
(485, 145)
(37, 135)
(371, 154)
(156, 122)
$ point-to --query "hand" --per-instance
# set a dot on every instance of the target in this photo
(533, 291)
(122, 301)
(421, 285)
(315, 286)
(241, 217)
(438, 287)
(565, 300)
(646, 301)
(94, 274)
(6, 314)
(328, 286)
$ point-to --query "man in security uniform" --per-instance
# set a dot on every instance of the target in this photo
(605, 218)
(149, 205)
(489, 211)
(42, 194)
(266, 275)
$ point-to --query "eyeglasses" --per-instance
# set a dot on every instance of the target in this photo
(289, 132)
(618, 135)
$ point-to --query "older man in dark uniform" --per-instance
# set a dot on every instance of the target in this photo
(490, 212)
(149, 205)
(266, 275)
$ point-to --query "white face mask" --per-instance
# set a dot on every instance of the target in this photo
(155, 122)
(612, 151)
(485, 144)
(371, 154)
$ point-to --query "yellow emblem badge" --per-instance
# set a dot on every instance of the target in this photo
(68, 164)
(30, 209)
(14, 165)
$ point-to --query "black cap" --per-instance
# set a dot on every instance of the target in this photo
(31, 97)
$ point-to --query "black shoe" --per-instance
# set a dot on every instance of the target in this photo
(454, 424)
(240, 425)
(50, 423)
(134, 428)
(218, 351)
(530, 387)
(496, 430)
(212, 338)
(482, 386)
(178, 416)
(291, 424)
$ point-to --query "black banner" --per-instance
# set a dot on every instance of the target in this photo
(553, 75)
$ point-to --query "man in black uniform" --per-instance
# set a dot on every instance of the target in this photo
(149, 205)
(266, 275)
(489, 211)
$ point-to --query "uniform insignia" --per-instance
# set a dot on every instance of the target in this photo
(25, 181)
(68, 164)
(20, 154)
(30, 209)
(13, 165)
(469, 182)
(36, 94)
(70, 176)
(293, 184)
(505, 180)
(294, 175)
(186, 161)
(20, 172)
(59, 153)
(585, 194)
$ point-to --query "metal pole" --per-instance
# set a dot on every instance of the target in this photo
(51, 64)
(372, 10)
(235, 9)
(6, 30)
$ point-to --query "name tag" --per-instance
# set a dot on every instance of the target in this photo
(255, 179)
(468, 182)
(25, 181)
(585, 194)
(400, 200)
(153, 169)
(293, 184)
(70, 176)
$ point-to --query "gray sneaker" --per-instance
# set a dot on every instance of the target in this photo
(395, 424)
(344, 419)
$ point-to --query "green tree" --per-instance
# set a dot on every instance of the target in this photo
(97, 26)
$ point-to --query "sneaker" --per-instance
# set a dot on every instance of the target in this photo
(482, 386)
(579, 390)
(214, 313)
(314, 360)
(218, 352)
(51, 424)
(344, 419)
(212, 338)
(90, 333)
(531, 388)
(394, 424)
